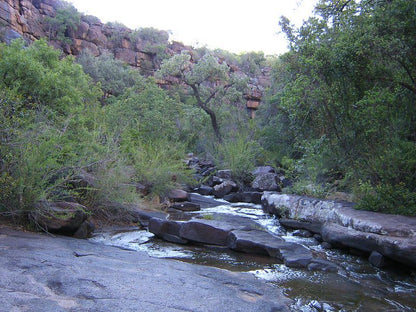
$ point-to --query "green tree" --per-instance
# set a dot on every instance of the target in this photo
(114, 76)
(66, 20)
(344, 94)
(209, 81)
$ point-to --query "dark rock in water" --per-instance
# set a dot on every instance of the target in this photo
(224, 188)
(295, 255)
(266, 182)
(143, 216)
(254, 241)
(377, 259)
(167, 230)
(204, 190)
(244, 197)
(313, 227)
(178, 195)
(63, 218)
(206, 231)
(322, 265)
(326, 245)
(224, 174)
(302, 233)
(204, 202)
(186, 206)
(260, 242)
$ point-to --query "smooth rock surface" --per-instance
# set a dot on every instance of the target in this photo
(392, 236)
(42, 273)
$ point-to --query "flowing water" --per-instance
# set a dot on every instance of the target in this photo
(357, 286)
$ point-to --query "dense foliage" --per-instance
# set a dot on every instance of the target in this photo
(56, 129)
(342, 106)
(339, 115)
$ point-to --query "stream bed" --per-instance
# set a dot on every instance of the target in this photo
(357, 286)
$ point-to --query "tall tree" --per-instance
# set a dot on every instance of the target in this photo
(208, 79)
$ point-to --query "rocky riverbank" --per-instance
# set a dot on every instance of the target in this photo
(379, 236)
(44, 273)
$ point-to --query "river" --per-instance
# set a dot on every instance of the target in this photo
(357, 286)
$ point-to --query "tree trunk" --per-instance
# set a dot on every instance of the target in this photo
(209, 111)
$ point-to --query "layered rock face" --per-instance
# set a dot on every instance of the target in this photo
(339, 224)
(28, 19)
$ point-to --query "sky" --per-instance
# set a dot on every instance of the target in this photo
(233, 25)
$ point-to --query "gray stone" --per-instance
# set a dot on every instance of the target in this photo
(206, 231)
(302, 233)
(85, 230)
(295, 255)
(266, 182)
(260, 242)
(244, 197)
(377, 259)
(178, 195)
(224, 174)
(254, 241)
(167, 229)
(49, 274)
(224, 188)
(392, 236)
(322, 265)
(186, 206)
(204, 190)
(63, 218)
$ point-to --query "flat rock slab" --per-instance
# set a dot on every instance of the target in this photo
(44, 273)
(392, 236)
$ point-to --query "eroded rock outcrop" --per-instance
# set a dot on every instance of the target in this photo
(341, 225)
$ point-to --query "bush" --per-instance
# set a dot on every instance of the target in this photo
(387, 198)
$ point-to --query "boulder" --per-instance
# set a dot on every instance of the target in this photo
(377, 259)
(224, 188)
(204, 190)
(244, 197)
(85, 230)
(178, 195)
(294, 255)
(254, 241)
(63, 218)
(266, 182)
(206, 231)
(322, 265)
(167, 230)
(261, 242)
(143, 216)
(186, 206)
(224, 174)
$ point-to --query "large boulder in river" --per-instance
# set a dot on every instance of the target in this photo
(167, 229)
(63, 218)
(207, 231)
